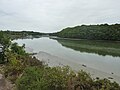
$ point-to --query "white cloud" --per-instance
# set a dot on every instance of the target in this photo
(54, 15)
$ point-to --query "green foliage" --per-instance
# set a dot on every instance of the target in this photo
(22, 34)
(61, 78)
(32, 80)
(94, 32)
(44, 78)
(17, 63)
(17, 49)
(1, 58)
(105, 84)
(5, 42)
(14, 67)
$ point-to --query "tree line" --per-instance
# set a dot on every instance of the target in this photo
(91, 32)
(22, 34)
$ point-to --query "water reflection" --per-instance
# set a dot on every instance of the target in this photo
(74, 52)
(98, 47)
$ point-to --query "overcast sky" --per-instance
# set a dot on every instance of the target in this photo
(54, 15)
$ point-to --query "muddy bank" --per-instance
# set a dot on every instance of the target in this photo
(52, 60)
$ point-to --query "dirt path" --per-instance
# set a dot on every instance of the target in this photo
(5, 84)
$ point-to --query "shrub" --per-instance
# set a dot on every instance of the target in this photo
(61, 78)
(44, 78)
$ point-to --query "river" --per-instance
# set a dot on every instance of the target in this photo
(99, 55)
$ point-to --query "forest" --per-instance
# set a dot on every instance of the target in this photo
(22, 34)
(91, 32)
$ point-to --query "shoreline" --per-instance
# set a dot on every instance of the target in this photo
(55, 37)
(53, 61)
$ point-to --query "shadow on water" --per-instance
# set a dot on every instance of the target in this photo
(98, 47)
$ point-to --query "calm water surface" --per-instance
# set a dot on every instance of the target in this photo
(103, 56)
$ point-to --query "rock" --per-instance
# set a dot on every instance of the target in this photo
(110, 78)
(97, 78)
(84, 65)
(112, 73)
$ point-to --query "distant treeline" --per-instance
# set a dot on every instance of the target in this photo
(91, 32)
(21, 34)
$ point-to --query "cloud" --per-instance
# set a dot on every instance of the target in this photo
(54, 15)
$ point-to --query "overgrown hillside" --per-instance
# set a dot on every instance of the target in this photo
(94, 32)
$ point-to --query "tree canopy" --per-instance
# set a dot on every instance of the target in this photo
(92, 32)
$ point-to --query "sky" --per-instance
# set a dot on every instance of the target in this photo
(55, 15)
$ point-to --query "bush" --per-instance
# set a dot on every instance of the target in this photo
(105, 84)
(2, 58)
(17, 63)
(18, 49)
(61, 78)
(44, 78)
(13, 68)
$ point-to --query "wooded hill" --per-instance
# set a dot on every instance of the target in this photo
(21, 34)
(92, 32)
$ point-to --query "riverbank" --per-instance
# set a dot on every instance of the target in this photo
(52, 61)
(61, 38)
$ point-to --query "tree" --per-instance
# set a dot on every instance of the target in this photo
(18, 49)
(92, 32)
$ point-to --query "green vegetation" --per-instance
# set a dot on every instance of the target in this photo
(92, 32)
(57, 78)
(45, 78)
(18, 49)
(5, 42)
(17, 63)
(22, 34)
(28, 73)
(92, 46)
